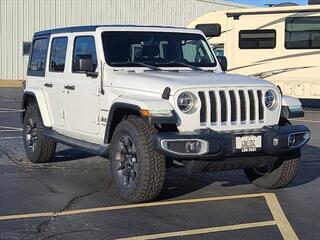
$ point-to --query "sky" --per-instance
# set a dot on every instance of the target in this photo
(262, 2)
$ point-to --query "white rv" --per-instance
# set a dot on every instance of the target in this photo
(279, 44)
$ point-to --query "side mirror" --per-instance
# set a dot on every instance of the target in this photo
(84, 63)
(210, 29)
(223, 63)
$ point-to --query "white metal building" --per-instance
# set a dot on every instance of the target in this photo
(19, 19)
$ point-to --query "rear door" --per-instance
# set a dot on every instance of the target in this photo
(56, 76)
(83, 98)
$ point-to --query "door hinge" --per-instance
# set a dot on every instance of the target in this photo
(98, 120)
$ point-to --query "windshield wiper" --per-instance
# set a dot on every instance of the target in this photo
(184, 65)
(128, 63)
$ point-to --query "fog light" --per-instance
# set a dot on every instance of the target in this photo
(193, 147)
(185, 146)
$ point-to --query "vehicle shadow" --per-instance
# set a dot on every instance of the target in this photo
(179, 181)
(71, 154)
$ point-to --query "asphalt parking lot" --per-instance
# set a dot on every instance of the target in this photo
(75, 197)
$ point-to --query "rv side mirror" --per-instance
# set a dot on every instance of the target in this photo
(210, 29)
(223, 63)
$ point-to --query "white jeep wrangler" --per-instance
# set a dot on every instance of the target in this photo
(147, 97)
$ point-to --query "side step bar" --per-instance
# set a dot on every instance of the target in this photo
(101, 150)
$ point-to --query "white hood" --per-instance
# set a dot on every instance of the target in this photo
(156, 82)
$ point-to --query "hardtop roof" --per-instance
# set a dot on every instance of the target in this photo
(92, 28)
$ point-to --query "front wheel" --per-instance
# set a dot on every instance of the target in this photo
(39, 148)
(138, 169)
(278, 175)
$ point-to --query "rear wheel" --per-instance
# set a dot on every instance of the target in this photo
(277, 175)
(138, 169)
(39, 148)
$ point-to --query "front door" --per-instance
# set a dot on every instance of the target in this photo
(83, 101)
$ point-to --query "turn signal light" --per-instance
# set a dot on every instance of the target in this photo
(144, 113)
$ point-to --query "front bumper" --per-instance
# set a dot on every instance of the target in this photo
(276, 141)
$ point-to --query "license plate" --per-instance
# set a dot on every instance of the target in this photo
(248, 143)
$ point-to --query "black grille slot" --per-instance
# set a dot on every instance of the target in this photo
(213, 102)
(223, 101)
(252, 105)
(234, 110)
(261, 113)
(242, 105)
(203, 110)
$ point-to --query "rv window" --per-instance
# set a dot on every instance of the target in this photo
(302, 33)
(257, 39)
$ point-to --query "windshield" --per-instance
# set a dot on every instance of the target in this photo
(160, 49)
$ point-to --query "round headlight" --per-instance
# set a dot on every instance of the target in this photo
(187, 102)
(270, 99)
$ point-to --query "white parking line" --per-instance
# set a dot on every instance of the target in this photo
(11, 128)
(9, 138)
(10, 100)
(9, 110)
(307, 120)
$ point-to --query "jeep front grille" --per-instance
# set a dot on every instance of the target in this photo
(231, 107)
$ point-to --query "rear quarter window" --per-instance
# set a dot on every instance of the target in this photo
(38, 56)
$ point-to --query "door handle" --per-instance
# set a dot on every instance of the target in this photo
(48, 85)
(70, 87)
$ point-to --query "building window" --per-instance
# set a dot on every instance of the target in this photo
(37, 61)
(257, 39)
(26, 48)
(58, 54)
(84, 45)
(302, 33)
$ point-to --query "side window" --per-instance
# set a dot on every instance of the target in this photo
(84, 48)
(148, 51)
(26, 46)
(257, 39)
(302, 33)
(218, 50)
(38, 57)
(192, 51)
(58, 54)
(189, 49)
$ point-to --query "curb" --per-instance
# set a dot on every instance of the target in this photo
(11, 83)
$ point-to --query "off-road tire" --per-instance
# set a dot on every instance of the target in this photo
(45, 147)
(151, 164)
(281, 174)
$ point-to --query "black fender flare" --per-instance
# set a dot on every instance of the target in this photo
(130, 109)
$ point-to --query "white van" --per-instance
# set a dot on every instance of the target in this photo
(279, 44)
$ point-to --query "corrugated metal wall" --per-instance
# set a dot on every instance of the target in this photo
(19, 19)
